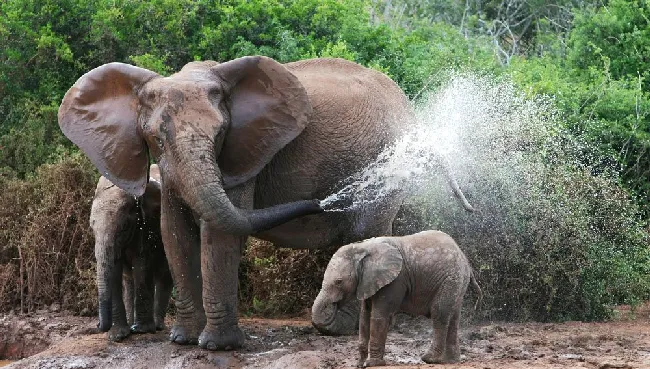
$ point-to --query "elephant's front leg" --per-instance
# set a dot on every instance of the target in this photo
(220, 257)
(384, 304)
(377, 341)
(364, 332)
(182, 247)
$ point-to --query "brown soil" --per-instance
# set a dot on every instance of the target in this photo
(293, 343)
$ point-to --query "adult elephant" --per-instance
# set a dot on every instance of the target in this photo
(242, 148)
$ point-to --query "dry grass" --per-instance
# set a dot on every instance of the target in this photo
(280, 282)
(46, 245)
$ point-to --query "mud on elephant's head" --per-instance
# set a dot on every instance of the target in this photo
(355, 273)
(210, 127)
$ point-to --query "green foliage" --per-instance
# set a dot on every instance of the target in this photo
(618, 35)
(611, 115)
(152, 62)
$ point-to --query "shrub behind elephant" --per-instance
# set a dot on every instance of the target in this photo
(133, 278)
(422, 274)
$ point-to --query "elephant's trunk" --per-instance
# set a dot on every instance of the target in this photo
(335, 318)
(204, 193)
(105, 268)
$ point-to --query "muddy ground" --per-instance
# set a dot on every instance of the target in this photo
(69, 342)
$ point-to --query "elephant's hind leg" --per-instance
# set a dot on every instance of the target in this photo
(144, 299)
(127, 291)
(452, 351)
(164, 285)
(442, 311)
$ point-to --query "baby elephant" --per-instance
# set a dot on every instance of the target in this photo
(422, 274)
(129, 252)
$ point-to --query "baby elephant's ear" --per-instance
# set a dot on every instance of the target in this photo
(381, 265)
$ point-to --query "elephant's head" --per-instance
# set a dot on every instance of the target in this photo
(355, 272)
(115, 219)
(210, 127)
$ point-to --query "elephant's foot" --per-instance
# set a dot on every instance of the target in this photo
(184, 334)
(140, 327)
(431, 358)
(186, 329)
(226, 338)
(160, 324)
(452, 356)
(363, 355)
(374, 362)
(118, 332)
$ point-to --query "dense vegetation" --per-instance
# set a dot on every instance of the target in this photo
(589, 56)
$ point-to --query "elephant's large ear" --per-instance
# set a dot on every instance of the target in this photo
(99, 114)
(380, 266)
(268, 106)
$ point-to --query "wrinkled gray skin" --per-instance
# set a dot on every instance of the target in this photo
(133, 278)
(244, 147)
(421, 274)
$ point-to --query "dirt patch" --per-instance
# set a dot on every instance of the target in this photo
(294, 344)
(25, 335)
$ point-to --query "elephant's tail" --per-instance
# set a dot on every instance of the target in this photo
(454, 185)
(477, 289)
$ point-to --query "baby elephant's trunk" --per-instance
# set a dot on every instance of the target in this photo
(336, 319)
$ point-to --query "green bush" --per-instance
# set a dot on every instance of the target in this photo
(611, 116)
(554, 238)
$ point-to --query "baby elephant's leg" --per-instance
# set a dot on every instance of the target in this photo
(377, 342)
(120, 329)
(164, 285)
(143, 321)
(452, 351)
(383, 306)
(127, 292)
(364, 332)
(443, 309)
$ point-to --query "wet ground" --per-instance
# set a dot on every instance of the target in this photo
(293, 343)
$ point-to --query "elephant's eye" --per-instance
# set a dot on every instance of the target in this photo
(159, 142)
(338, 281)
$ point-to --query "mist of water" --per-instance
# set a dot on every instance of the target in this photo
(475, 123)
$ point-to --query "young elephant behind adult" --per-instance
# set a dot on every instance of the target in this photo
(130, 255)
(422, 274)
